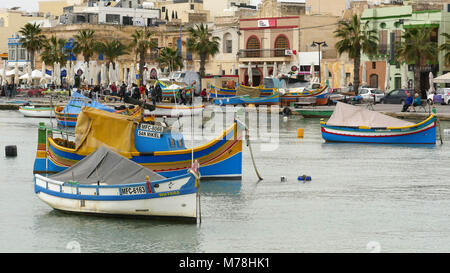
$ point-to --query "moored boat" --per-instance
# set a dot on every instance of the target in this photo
(314, 113)
(150, 144)
(106, 183)
(37, 112)
(270, 100)
(175, 110)
(67, 116)
(359, 125)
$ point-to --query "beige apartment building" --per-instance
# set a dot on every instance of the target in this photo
(11, 21)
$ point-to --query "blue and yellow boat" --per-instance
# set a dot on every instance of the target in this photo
(149, 144)
(270, 100)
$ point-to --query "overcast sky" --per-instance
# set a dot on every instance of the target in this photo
(32, 5)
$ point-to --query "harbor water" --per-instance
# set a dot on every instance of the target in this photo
(362, 198)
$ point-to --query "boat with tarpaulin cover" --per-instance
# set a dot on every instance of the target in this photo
(357, 124)
(106, 183)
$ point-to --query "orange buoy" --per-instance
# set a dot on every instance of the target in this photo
(300, 133)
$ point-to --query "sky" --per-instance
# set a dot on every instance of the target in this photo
(32, 5)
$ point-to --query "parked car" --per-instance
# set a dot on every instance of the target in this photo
(369, 94)
(397, 96)
(442, 96)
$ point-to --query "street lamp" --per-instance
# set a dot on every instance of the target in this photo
(324, 45)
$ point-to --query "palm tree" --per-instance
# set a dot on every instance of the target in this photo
(446, 48)
(171, 59)
(112, 50)
(85, 44)
(32, 39)
(54, 51)
(142, 44)
(417, 48)
(356, 39)
(203, 43)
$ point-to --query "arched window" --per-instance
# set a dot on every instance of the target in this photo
(253, 47)
(227, 43)
(281, 43)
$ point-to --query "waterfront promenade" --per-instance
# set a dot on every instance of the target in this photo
(443, 111)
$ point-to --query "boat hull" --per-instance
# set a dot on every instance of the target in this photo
(178, 202)
(40, 112)
(270, 100)
(422, 133)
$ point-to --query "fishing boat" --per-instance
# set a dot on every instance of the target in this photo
(175, 110)
(217, 92)
(317, 91)
(151, 144)
(106, 183)
(247, 99)
(37, 112)
(358, 125)
(170, 90)
(67, 116)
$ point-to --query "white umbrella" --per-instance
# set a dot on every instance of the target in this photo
(325, 72)
(43, 79)
(387, 81)
(16, 74)
(102, 75)
(283, 68)
(233, 72)
(431, 90)
(364, 76)
(58, 74)
(404, 76)
(118, 71)
(110, 74)
(275, 70)
(311, 71)
(265, 73)
(4, 73)
(250, 74)
(29, 71)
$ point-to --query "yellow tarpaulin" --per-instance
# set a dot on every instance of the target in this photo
(96, 128)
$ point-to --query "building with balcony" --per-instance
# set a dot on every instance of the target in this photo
(390, 23)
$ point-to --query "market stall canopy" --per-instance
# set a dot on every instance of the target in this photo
(354, 116)
(106, 167)
(442, 79)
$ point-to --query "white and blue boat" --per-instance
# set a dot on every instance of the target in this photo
(106, 183)
(355, 124)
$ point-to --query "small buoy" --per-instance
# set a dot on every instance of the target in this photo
(11, 150)
(285, 119)
(304, 178)
(300, 133)
(251, 105)
(283, 179)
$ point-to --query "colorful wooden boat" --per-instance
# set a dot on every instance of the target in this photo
(37, 112)
(295, 94)
(67, 116)
(151, 145)
(105, 183)
(270, 100)
(170, 91)
(373, 127)
(217, 92)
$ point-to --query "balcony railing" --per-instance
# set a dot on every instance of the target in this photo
(263, 53)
